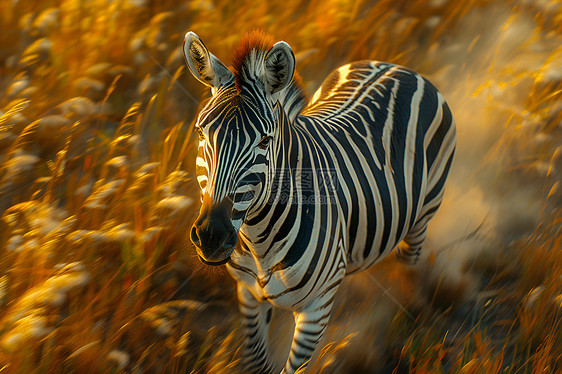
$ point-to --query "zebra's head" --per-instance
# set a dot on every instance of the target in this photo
(238, 132)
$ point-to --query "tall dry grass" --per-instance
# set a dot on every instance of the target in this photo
(97, 188)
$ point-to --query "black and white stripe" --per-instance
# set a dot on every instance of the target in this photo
(339, 184)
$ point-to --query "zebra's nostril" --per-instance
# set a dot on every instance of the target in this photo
(194, 237)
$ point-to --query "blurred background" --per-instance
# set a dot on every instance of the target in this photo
(97, 188)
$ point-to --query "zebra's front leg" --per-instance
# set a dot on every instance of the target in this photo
(310, 325)
(255, 319)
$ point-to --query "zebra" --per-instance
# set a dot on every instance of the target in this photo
(296, 194)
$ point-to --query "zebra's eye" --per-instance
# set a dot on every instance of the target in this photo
(264, 142)
(200, 132)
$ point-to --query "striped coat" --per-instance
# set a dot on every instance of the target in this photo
(296, 195)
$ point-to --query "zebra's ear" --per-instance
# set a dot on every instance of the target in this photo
(203, 65)
(279, 67)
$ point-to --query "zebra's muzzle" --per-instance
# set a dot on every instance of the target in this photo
(213, 235)
(214, 249)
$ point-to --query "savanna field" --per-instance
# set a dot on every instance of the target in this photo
(98, 189)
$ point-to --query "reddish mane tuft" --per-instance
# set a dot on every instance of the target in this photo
(294, 96)
(254, 40)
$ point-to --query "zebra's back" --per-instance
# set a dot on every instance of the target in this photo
(392, 137)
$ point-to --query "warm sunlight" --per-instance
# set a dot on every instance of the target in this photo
(98, 188)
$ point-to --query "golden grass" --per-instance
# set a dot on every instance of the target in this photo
(97, 188)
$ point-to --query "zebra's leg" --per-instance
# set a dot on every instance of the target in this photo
(310, 325)
(255, 319)
(437, 175)
(409, 250)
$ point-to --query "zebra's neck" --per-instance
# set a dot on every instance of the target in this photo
(281, 193)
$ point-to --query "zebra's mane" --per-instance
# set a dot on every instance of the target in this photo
(247, 64)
